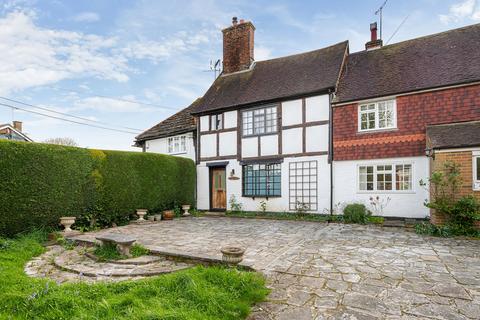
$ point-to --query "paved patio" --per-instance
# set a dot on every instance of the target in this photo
(335, 271)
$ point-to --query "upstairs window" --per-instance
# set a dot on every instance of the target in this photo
(385, 177)
(216, 120)
(476, 170)
(177, 144)
(260, 121)
(377, 116)
(262, 180)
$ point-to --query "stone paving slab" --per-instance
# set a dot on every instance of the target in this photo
(335, 271)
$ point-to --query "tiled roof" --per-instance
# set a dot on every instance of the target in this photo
(274, 79)
(455, 135)
(180, 122)
(438, 60)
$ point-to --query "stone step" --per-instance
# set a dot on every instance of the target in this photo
(214, 213)
(394, 223)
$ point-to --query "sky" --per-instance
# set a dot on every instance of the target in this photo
(127, 65)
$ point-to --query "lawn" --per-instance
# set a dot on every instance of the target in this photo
(197, 293)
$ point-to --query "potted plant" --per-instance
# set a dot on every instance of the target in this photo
(231, 254)
(168, 214)
(185, 208)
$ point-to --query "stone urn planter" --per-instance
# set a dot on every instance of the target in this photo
(67, 222)
(168, 215)
(141, 213)
(185, 209)
(233, 255)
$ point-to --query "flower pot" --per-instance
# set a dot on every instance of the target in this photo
(158, 217)
(185, 209)
(476, 224)
(233, 255)
(67, 222)
(141, 213)
(151, 218)
(168, 215)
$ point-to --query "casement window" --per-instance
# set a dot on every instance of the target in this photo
(216, 121)
(385, 177)
(260, 121)
(476, 170)
(262, 180)
(177, 144)
(303, 185)
(377, 116)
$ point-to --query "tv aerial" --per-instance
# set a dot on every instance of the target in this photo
(380, 13)
(215, 68)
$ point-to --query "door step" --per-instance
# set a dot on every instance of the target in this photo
(214, 214)
(394, 223)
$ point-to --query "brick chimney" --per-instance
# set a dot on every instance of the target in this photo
(17, 125)
(238, 46)
(374, 42)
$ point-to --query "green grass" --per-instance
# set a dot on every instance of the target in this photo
(109, 251)
(197, 293)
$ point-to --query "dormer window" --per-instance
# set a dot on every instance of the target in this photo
(216, 121)
(379, 115)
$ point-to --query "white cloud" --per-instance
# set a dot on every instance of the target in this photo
(262, 53)
(465, 9)
(87, 17)
(104, 104)
(34, 56)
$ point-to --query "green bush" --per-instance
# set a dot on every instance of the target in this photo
(450, 229)
(356, 213)
(42, 182)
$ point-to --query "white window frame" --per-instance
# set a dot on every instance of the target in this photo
(394, 177)
(177, 144)
(264, 121)
(475, 179)
(375, 104)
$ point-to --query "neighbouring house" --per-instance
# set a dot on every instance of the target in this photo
(320, 129)
(175, 135)
(459, 143)
(13, 132)
(386, 99)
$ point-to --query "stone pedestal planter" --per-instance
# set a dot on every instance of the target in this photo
(67, 222)
(185, 209)
(141, 213)
(233, 255)
(168, 215)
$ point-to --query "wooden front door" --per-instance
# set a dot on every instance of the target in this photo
(218, 188)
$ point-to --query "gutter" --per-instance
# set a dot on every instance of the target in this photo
(330, 146)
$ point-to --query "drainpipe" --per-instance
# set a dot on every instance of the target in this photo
(330, 146)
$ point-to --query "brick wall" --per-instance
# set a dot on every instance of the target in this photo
(414, 113)
(238, 42)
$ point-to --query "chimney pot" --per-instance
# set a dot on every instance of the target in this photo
(373, 31)
(374, 42)
(234, 21)
(17, 125)
(242, 21)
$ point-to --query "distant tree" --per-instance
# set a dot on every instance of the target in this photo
(65, 141)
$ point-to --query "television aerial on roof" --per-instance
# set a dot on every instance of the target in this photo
(380, 12)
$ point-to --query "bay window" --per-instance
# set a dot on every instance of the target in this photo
(377, 116)
(385, 177)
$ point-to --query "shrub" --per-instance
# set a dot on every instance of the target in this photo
(42, 182)
(356, 213)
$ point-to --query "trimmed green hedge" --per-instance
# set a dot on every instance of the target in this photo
(40, 183)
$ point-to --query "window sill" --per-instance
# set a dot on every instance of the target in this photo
(177, 153)
(263, 197)
(377, 130)
(386, 192)
(259, 135)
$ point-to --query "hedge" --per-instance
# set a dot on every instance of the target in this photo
(41, 182)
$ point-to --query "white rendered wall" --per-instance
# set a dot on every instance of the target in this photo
(230, 119)
(204, 123)
(250, 147)
(291, 112)
(276, 204)
(269, 145)
(208, 145)
(228, 143)
(161, 146)
(317, 138)
(402, 204)
(317, 108)
(292, 141)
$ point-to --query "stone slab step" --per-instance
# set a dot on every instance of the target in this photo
(394, 223)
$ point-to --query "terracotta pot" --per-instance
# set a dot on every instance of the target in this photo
(476, 224)
(168, 215)
(232, 255)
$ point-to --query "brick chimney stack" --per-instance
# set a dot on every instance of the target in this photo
(17, 125)
(374, 42)
(238, 46)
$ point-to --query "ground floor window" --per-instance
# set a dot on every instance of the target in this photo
(385, 177)
(262, 180)
(476, 170)
(303, 185)
(177, 144)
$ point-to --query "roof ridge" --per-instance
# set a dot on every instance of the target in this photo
(419, 38)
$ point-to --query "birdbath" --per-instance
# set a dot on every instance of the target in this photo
(67, 222)
(141, 213)
(185, 208)
(233, 255)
